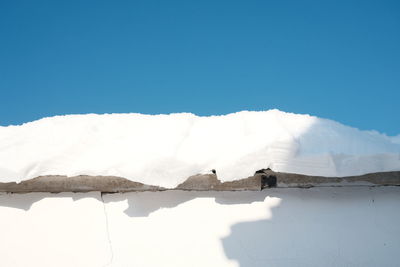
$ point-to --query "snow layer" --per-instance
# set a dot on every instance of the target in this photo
(166, 149)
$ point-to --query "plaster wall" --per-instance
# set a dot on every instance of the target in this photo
(344, 226)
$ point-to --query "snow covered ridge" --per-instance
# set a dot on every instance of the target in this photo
(165, 150)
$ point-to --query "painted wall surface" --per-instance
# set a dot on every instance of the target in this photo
(356, 226)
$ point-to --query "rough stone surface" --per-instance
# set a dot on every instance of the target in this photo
(81, 183)
(207, 182)
(210, 182)
(371, 179)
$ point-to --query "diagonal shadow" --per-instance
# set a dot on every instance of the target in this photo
(321, 227)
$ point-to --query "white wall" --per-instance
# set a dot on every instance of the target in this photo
(279, 227)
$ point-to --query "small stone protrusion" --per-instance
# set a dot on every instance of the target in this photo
(268, 181)
(262, 171)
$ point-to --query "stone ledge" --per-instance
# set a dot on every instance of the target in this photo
(207, 182)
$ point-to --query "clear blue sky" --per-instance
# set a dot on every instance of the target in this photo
(334, 59)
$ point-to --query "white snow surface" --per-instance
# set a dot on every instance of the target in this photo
(165, 150)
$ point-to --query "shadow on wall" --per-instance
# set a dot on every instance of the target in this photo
(322, 227)
(142, 204)
(354, 226)
(26, 200)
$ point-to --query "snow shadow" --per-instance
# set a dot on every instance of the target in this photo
(24, 201)
(142, 204)
(321, 227)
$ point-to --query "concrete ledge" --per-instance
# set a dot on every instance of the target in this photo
(112, 184)
(208, 182)
(371, 179)
(81, 183)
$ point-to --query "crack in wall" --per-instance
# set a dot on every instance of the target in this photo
(107, 231)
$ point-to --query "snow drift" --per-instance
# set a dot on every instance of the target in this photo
(165, 150)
